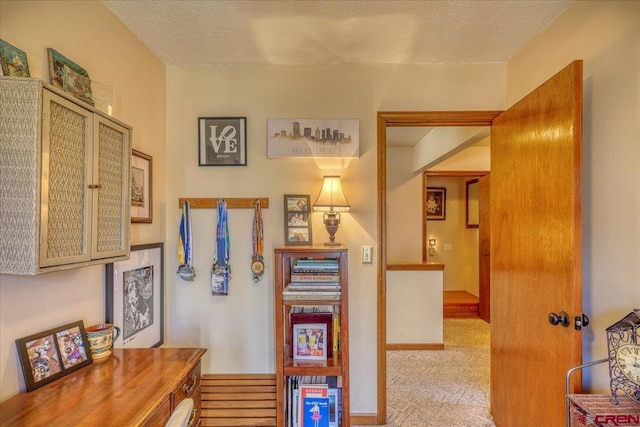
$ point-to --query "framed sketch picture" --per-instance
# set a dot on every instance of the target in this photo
(49, 355)
(222, 141)
(310, 341)
(435, 203)
(135, 297)
(297, 219)
(141, 187)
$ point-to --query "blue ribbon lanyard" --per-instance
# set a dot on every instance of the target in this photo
(221, 269)
(185, 250)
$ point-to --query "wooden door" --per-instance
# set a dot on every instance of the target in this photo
(484, 271)
(536, 258)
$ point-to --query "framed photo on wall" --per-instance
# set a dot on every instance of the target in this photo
(135, 297)
(435, 203)
(49, 355)
(222, 141)
(141, 187)
(297, 219)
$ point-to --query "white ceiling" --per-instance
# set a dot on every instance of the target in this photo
(207, 32)
(311, 32)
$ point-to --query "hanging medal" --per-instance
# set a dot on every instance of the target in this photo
(221, 269)
(185, 270)
(257, 238)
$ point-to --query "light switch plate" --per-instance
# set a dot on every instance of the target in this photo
(367, 254)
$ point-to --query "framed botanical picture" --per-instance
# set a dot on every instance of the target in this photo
(49, 355)
(310, 341)
(222, 141)
(435, 203)
(13, 61)
(141, 187)
(135, 297)
(297, 220)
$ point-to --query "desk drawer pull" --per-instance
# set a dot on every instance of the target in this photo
(189, 388)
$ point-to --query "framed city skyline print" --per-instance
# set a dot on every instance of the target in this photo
(141, 187)
(135, 297)
(222, 141)
(339, 138)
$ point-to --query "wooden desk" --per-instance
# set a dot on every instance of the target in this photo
(133, 387)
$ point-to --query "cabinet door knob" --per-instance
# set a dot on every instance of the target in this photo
(95, 186)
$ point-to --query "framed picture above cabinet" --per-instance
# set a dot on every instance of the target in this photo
(141, 187)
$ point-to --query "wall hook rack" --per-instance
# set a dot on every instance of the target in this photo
(232, 202)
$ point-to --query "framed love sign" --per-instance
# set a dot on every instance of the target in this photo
(222, 141)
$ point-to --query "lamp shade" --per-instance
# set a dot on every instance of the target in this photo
(331, 197)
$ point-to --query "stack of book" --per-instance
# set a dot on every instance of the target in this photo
(313, 279)
(314, 401)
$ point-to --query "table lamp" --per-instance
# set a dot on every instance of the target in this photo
(331, 201)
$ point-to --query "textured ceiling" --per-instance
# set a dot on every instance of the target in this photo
(207, 32)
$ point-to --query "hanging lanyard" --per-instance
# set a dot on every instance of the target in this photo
(185, 270)
(221, 269)
(257, 240)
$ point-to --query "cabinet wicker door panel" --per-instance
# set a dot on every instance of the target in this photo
(67, 130)
(111, 197)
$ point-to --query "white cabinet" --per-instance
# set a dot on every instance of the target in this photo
(64, 185)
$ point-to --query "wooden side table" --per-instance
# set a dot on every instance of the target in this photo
(597, 410)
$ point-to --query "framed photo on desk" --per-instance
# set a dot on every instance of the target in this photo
(49, 355)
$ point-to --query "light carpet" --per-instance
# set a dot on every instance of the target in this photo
(441, 388)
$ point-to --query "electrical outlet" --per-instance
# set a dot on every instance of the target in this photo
(367, 255)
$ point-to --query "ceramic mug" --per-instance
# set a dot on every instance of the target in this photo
(101, 338)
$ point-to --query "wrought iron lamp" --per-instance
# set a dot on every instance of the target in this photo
(331, 201)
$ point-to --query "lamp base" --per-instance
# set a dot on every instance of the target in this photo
(333, 244)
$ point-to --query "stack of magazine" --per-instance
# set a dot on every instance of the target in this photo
(313, 279)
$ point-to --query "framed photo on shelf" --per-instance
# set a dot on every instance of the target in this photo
(141, 187)
(435, 203)
(222, 141)
(49, 355)
(135, 297)
(297, 220)
(310, 341)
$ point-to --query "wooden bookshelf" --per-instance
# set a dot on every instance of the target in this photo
(336, 364)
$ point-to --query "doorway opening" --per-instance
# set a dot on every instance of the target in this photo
(403, 119)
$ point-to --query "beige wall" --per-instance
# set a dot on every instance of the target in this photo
(404, 207)
(90, 35)
(605, 35)
(461, 261)
(238, 329)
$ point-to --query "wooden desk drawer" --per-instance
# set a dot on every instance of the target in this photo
(190, 387)
(161, 415)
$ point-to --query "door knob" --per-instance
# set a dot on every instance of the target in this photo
(559, 319)
(581, 321)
